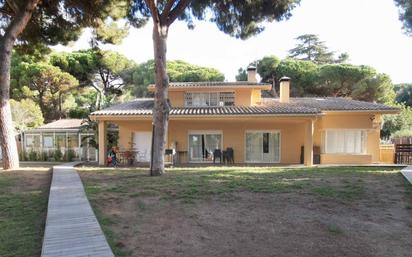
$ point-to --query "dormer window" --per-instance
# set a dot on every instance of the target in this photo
(209, 99)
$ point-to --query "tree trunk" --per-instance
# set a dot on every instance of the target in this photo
(14, 29)
(42, 106)
(161, 103)
(7, 139)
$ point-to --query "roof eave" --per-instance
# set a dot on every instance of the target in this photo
(362, 111)
(191, 116)
(37, 130)
(151, 88)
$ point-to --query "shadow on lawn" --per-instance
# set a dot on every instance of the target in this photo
(344, 183)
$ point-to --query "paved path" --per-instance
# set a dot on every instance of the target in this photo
(407, 173)
(71, 226)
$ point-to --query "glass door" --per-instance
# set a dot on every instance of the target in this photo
(195, 147)
(263, 147)
(202, 146)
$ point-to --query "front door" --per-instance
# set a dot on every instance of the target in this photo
(263, 146)
(142, 142)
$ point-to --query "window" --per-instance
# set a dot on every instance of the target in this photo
(263, 147)
(345, 141)
(265, 142)
(203, 144)
(61, 141)
(209, 99)
(33, 141)
(48, 141)
(72, 141)
(227, 98)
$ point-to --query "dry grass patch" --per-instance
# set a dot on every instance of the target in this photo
(236, 211)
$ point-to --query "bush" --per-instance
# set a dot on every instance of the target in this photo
(70, 154)
(24, 156)
(44, 156)
(402, 133)
(58, 155)
(33, 156)
(398, 122)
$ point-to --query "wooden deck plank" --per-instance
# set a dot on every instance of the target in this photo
(407, 173)
(72, 229)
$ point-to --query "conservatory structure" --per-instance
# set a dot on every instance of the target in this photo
(65, 139)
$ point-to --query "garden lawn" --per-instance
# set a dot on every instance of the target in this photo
(245, 211)
(23, 208)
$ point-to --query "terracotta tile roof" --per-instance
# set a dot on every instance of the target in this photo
(141, 106)
(63, 124)
(145, 106)
(271, 106)
(340, 104)
(214, 84)
(280, 109)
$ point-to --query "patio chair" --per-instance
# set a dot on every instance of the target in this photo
(230, 158)
(217, 154)
(169, 154)
(141, 155)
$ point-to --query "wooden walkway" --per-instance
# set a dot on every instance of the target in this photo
(407, 173)
(71, 226)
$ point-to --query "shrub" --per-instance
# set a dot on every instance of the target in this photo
(44, 156)
(70, 154)
(24, 156)
(393, 123)
(402, 133)
(33, 155)
(58, 155)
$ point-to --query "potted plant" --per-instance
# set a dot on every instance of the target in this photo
(129, 156)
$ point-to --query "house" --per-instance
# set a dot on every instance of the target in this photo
(67, 135)
(206, 116)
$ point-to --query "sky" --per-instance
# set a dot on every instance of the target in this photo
(368, 30)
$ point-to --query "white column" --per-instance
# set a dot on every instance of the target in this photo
(79, 149)
(102, 143)
(308, 156)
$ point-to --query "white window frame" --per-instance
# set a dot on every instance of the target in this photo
(188, 97)
(31, 135)
(262, 131)
(364, 142)
(202, 132)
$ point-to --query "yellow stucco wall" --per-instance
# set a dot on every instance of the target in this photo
(243, 96)
(350, 121)
(256, 97)
(233, 131)
(292, 131)
(126, 129)
(345, 159)
(387, 153)
(177, 98)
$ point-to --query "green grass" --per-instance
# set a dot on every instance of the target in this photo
(22, 217)
(197, 183)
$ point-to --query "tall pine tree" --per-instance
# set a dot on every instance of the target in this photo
(240, 19)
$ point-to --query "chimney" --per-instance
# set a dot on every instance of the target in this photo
(251, 74)
(284, 90)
